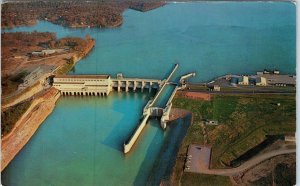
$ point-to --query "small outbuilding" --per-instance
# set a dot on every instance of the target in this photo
(244, 80)
(261, 81)
(217, 88)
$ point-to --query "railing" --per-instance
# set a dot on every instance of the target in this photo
(164, 84)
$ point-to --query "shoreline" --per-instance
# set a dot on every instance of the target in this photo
(114, 10)
(38, 88)
(27, 125)
(40, 108)
(162, 172)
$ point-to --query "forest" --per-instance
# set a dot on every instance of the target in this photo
(71, 13)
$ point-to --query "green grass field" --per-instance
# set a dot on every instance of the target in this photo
(66, 67)
(244, 120)
(190, 179)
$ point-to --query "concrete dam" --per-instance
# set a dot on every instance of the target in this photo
(101, 85)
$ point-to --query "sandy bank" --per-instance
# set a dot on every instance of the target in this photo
(26, 126)
(177, 113)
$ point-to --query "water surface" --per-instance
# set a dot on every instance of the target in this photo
(81, 142)
(211, 39)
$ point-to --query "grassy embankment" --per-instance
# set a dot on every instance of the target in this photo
(190, 179)
(281, 175)
(244, 120)
(81, 48)
(66, 67)
(11, 115)
(10, 84)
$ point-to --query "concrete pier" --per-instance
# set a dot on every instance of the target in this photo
(150, 110)
(128, 145)
(135, 84)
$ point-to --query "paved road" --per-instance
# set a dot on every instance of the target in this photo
(242, 89)
(246, 91)
(248, 164)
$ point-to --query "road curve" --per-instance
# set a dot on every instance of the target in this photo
(248, 164)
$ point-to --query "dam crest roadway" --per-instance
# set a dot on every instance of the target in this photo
(101, 85)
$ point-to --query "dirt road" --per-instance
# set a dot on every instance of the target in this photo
(248, 164)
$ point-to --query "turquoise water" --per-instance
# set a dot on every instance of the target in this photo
(211, 39)
(164, 96)
(80, 143)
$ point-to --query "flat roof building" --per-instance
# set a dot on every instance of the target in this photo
(83, 84)
(280, 80)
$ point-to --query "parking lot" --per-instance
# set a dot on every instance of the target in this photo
(198, 158)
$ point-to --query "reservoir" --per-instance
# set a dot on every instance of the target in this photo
(81, 142)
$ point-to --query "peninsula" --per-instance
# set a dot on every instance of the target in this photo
(71, 14)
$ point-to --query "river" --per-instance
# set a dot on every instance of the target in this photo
(80, 143)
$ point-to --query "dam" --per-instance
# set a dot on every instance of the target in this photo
(101, 85)
(160, 106)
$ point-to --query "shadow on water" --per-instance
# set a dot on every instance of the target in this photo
(123, 130)
(170, 70)
(166, 158)
(118, 134)
(140, 178)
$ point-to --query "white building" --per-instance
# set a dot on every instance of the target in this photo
(261, 81)
(83, 84)
(243, 80)
(280, 80)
